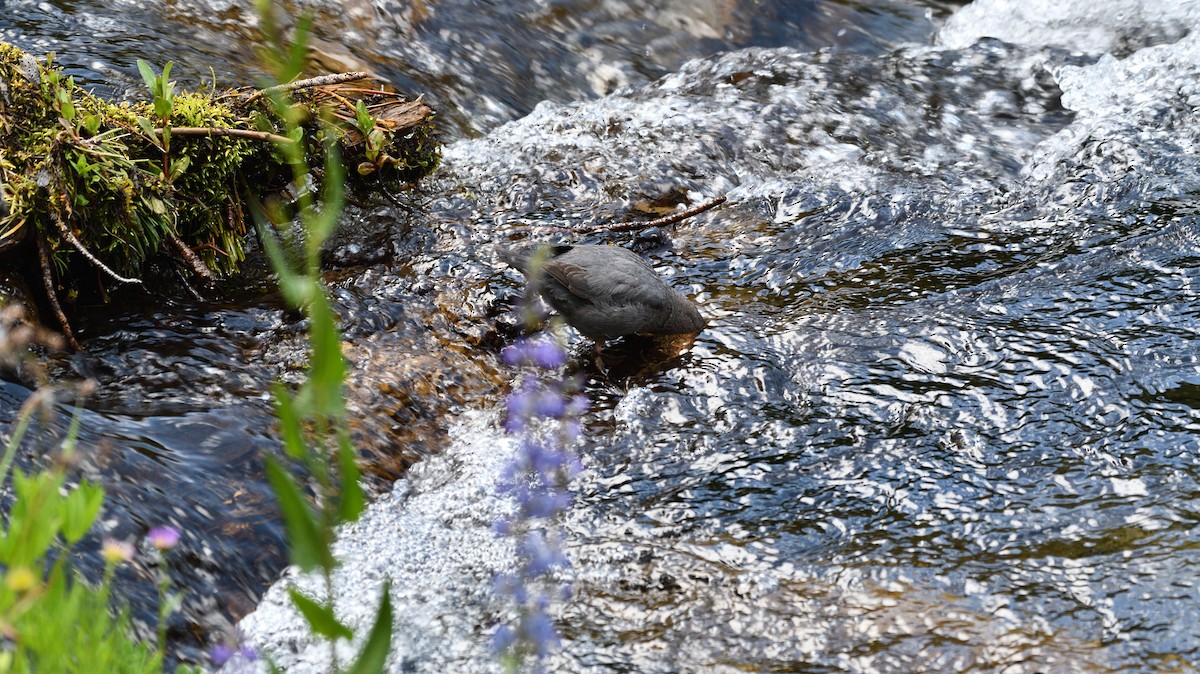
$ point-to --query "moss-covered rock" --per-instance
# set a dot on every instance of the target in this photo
(105, 186)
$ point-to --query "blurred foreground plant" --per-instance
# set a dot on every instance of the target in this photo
(543, 413)
(51, 619)
(312, 420)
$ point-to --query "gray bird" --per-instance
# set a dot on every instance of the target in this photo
(606, 292)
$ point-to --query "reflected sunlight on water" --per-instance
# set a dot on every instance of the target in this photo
(944, 416)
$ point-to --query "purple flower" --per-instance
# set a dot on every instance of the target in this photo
(503, 639)
(543, 414)
(223, 652)
(220, 654)
(512, 586)
(530, 401)
(542, 353)
(550, 405)
(541, 555)
(540, 631)
(163, 537)
(544, 462)
(546, 505)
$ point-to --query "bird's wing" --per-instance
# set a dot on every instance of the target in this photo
(573, 277)
(622, 281)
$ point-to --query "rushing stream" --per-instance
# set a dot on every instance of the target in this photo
(944, 417)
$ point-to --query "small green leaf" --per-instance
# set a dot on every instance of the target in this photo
(334, 185)
(309, 549)
(363, 117)
(351, 501)
(296, 289)
(66, 106)
(82, 506)
(35, 519)
(163, 107)
(148, 76)
(289, 423)
(373, 657)
(298, 54)
(376, 140)
(156, 205)
(150, 130)
(91, 123)
(366, 168)
(319, 617)
(179, 167)
(327, 368)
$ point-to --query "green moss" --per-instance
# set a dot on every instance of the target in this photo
(75, 159)
(102, 171)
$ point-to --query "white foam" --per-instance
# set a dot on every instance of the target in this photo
(1089, 26)
(432, 538)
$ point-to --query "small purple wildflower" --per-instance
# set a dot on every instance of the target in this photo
(531, 401)
(543, 353)
(539, 629)
(163, 537)
(503, 639)
(220, 654)
(541, 554)
(540, 506)
(223, 652)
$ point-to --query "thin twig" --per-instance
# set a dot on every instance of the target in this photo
(192, 259)
(52, 295)
(213, 131)
(3, 179)
(667, 220)
(375, 92)
(78, 245)
(335, 78)
(183, 279)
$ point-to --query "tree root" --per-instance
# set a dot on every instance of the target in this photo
(193, 261)
(52, 295)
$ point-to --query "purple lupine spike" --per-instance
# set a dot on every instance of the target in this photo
(544, 416)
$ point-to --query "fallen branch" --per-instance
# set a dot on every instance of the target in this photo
(215, 132)
(197, 265)
(666, 220)
(310, 83)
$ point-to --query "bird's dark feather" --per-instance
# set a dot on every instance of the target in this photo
(608, 291)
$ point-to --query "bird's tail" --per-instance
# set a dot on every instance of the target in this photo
(517, 258)
(529, 257)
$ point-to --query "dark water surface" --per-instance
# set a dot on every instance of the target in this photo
(944, 418)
